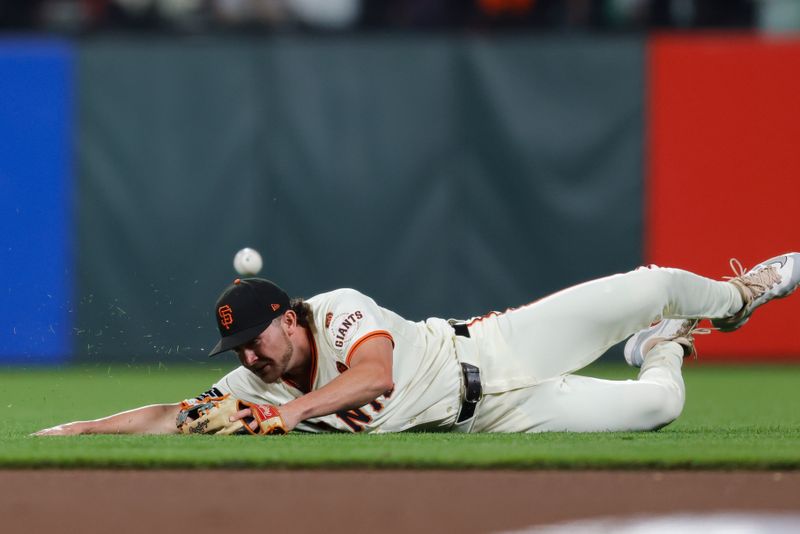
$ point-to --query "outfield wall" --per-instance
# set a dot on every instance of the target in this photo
(724, 168)
(441, 175)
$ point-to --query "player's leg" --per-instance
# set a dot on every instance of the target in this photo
(572, 403)
(572, 328)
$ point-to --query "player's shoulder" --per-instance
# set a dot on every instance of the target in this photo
(340, 292)
(344, 310)
(336, 296)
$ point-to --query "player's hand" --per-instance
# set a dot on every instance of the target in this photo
(246, 417)
(67, 429)
(264, 419)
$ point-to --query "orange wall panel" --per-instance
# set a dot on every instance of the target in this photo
(724, 170)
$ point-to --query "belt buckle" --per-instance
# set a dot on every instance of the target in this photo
(472, 383)
(472, 392)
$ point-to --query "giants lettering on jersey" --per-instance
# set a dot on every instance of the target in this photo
(344, 327)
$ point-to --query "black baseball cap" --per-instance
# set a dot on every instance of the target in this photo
(245, 309)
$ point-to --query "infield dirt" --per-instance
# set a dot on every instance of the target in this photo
(198, 501)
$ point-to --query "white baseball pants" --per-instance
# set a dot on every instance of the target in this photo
(568, 330)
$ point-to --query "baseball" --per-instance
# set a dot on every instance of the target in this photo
(247, 262)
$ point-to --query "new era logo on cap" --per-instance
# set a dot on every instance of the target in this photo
(245, 309)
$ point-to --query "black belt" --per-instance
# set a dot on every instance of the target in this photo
(472, 391)
(472, 381)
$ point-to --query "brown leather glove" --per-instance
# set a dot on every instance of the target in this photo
(211, 415)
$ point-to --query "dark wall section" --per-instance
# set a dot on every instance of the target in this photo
(442, 176)
(36, 231)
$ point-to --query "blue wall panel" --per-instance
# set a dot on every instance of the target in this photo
(36, 181)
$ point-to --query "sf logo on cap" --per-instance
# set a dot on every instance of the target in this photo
(225, 316)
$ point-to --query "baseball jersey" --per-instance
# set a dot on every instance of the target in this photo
(425, 370)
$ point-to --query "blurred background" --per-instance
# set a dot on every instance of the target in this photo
(194, 16)
(446, 157)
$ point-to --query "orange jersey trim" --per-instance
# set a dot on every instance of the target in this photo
(313, 344)
(377, 333)
(482, 317)
(508, 310)
(291, 383)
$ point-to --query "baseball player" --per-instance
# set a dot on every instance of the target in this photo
(340, 362)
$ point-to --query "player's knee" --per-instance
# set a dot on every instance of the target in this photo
(664, 407)
(652, 287)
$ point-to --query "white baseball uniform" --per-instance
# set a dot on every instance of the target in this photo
(525, 356)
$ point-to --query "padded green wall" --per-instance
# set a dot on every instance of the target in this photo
(443, 176)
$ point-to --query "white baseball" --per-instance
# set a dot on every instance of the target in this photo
(247, 262)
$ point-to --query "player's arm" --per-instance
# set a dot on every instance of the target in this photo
(369, 377)
(152, 419)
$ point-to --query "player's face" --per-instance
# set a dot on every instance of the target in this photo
(268, 355)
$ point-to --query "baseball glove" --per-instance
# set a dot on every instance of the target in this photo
(211, 415)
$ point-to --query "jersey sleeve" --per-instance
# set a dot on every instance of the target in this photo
(242, 384)
(218, 391)
(214, 393)
(351, 319)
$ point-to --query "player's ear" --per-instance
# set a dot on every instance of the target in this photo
(289, 320)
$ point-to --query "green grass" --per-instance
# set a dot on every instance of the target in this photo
(735, 417)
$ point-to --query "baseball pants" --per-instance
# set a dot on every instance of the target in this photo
(570, 329)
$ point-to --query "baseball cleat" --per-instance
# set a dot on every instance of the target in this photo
(773, 279)
(680, 331)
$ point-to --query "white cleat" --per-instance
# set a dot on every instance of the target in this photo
(678, 330)
(773, 279)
